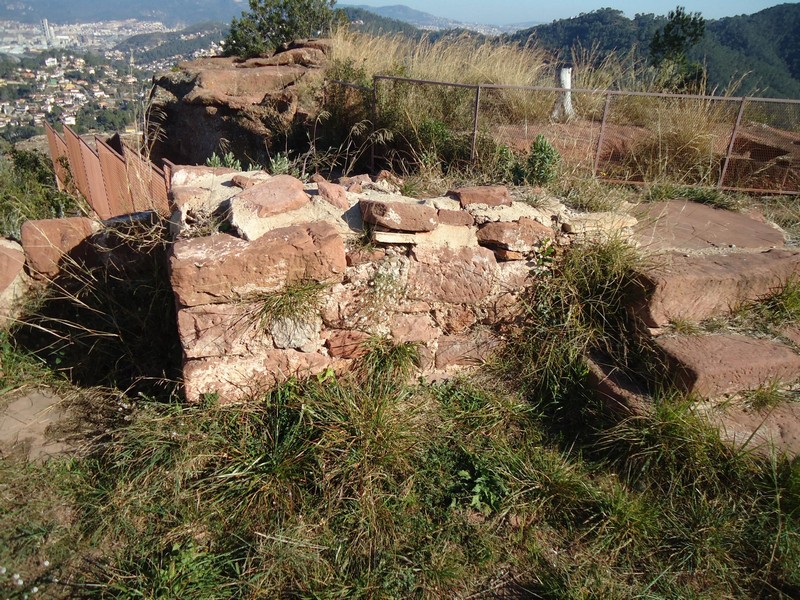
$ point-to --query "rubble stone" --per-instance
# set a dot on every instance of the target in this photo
(222, 268)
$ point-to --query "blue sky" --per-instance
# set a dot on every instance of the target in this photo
(501, 12)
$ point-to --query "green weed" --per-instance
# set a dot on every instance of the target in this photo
(297, 300)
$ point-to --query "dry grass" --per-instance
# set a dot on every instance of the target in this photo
(462, 59)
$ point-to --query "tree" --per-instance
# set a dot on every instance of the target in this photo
(681, 32)
(270, 23)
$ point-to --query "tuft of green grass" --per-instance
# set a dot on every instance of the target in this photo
(768, 395)
(703, 195)
(685, 326)
(296, 300)
(783, 307)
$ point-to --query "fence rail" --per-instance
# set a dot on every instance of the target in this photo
(736, 143)
(114, 181)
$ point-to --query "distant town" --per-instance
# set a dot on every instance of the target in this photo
(82, 75)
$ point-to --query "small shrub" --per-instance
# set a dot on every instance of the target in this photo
(280, 164)
(541, 162)
(227, 160)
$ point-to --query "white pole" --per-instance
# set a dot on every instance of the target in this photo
(563, 106)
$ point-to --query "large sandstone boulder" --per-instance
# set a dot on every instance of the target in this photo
(694, 288)
(246, 103)
(711, 365)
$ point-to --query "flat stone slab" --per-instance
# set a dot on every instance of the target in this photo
(763, 431)
(713, 365)
(695, 288)
(692, 227)
(25, 425)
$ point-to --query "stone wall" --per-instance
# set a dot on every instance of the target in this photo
(274, 278)
(443, 273)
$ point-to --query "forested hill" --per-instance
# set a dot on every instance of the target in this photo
(765, 44)
(365, 20)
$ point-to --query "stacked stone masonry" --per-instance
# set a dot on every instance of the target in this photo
(442, 273)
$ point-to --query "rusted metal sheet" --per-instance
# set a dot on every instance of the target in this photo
(115, 179)
(94, 175)
(58, 154)
(147, 184)
(158, 191)
(79, 176)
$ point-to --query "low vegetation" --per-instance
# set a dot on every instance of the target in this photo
(514, 481)
(27, 192)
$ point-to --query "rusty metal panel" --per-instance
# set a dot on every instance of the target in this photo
(147, 184)
(115, 178)
(97, 190)
(58, 154)
(76, 162)
(158, 191)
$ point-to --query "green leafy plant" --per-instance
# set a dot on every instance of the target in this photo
(270, 23)
(227, 160)
(541, 162)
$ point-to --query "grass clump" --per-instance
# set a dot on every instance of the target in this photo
(297, 300)
(783, 307)
(703, 195)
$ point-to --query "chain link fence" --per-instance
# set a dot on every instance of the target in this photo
(732, 143)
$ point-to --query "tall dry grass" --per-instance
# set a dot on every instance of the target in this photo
(462, 59)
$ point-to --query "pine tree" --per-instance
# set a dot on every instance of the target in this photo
(270, 23)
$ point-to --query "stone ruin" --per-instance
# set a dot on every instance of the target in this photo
(443, 273)
(446, 274)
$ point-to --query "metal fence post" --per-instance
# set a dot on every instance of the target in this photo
(731, 143)
(374, 122)
(473, 149)
(600, 137)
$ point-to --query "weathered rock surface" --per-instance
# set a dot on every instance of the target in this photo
(699, 287)
(33, 426)
(334, 194)
(712, 365)
(466, 350)
(600, 226)
(413, 328)
(276, 195)
(297, 333)
(46, 242)
(237, 378)
(521, 236)
(454, 217)
(692, 227)
(13, 280)
(489, 195)
(764, 431)
(210, 99)
(212, 330)
(455, 276)
(222, 268)
(399, 216)
(344, 343)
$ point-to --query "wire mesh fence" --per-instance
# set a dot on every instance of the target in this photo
(733, 143)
